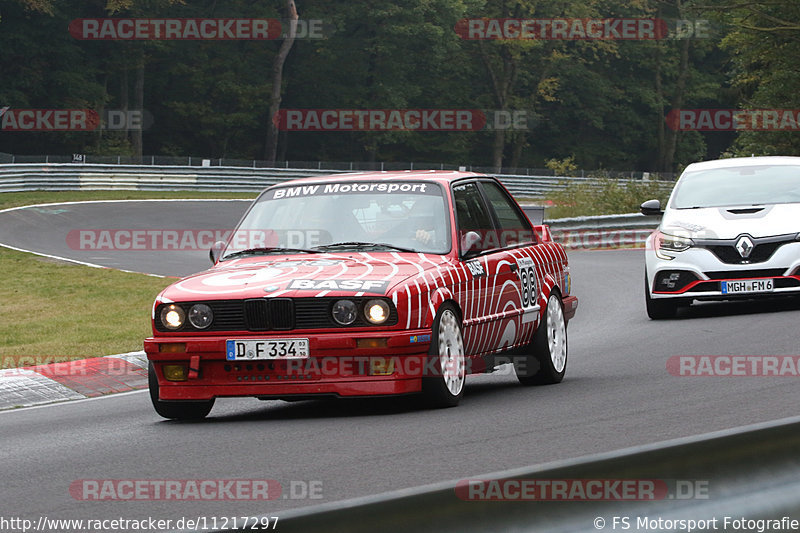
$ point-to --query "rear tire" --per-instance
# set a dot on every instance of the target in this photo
(447, 360)
(178, 410)
(658, 309)
(545, 359)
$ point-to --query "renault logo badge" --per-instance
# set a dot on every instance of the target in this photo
(744, 246)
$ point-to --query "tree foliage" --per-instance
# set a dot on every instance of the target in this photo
(597, 103)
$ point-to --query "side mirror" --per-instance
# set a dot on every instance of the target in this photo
(216, 251)
(469, 243)
(652, 208)
(543, 233)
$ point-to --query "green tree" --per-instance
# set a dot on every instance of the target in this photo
(764, 42)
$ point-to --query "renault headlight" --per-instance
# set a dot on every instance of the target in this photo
(665, 242)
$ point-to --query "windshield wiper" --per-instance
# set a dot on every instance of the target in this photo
(269, 250)
(359, 244)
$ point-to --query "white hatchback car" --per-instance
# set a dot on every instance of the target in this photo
(731, 229)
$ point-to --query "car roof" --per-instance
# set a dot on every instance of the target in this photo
(443, 177)
(743, 162)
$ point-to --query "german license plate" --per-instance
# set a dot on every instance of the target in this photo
(746, 286)
(250, 350)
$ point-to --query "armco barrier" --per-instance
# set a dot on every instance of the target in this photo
(610, 231)
(67, 176)
(61, 177)
(603, 231)
(749, 473)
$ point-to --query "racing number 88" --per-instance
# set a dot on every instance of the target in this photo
(527, 277)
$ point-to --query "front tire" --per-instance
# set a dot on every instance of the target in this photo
(447, 360)
(181, 410)
(545, 360)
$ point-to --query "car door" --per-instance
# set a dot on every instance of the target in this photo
(516, 237)
(488, 273)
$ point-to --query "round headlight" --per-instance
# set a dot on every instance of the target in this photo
(200, 316)
(344, 312)
(376, 311)
(172, 316)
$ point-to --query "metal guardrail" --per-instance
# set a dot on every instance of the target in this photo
(749, 473)
(60, 177)
(341, 166)
(67, 176)
(611, 231)
(604, 231)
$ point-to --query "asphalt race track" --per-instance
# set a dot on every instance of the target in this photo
(617, 393)
(58, 229)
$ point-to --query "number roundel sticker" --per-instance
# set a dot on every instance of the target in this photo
(527, 278)
(523, 276)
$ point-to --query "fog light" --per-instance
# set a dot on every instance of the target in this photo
(175, 372)
(673, 280)
(381, 366)
(371, 343)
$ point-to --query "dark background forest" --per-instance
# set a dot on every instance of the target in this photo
(592, 104)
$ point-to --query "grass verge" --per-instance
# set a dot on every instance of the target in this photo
(53, 311)
(16, 199)
(57, 311)
(605, 197)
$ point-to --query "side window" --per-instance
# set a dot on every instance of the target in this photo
(472, 214)
(514, 228)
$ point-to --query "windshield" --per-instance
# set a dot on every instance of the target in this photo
(345, 216)
(738, 186)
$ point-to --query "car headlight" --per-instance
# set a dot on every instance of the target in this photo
(344, 312)
(664, 242)
(173, 316)
(376, 311)
(201, 316)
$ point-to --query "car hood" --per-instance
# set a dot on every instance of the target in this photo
(303, 275)
(730, 222)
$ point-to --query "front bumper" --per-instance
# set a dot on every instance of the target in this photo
(698, 274)
(337, 365)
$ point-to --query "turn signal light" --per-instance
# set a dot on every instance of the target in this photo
(172, 347)
(379, 342)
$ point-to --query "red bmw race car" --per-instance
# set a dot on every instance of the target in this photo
(365, 284)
